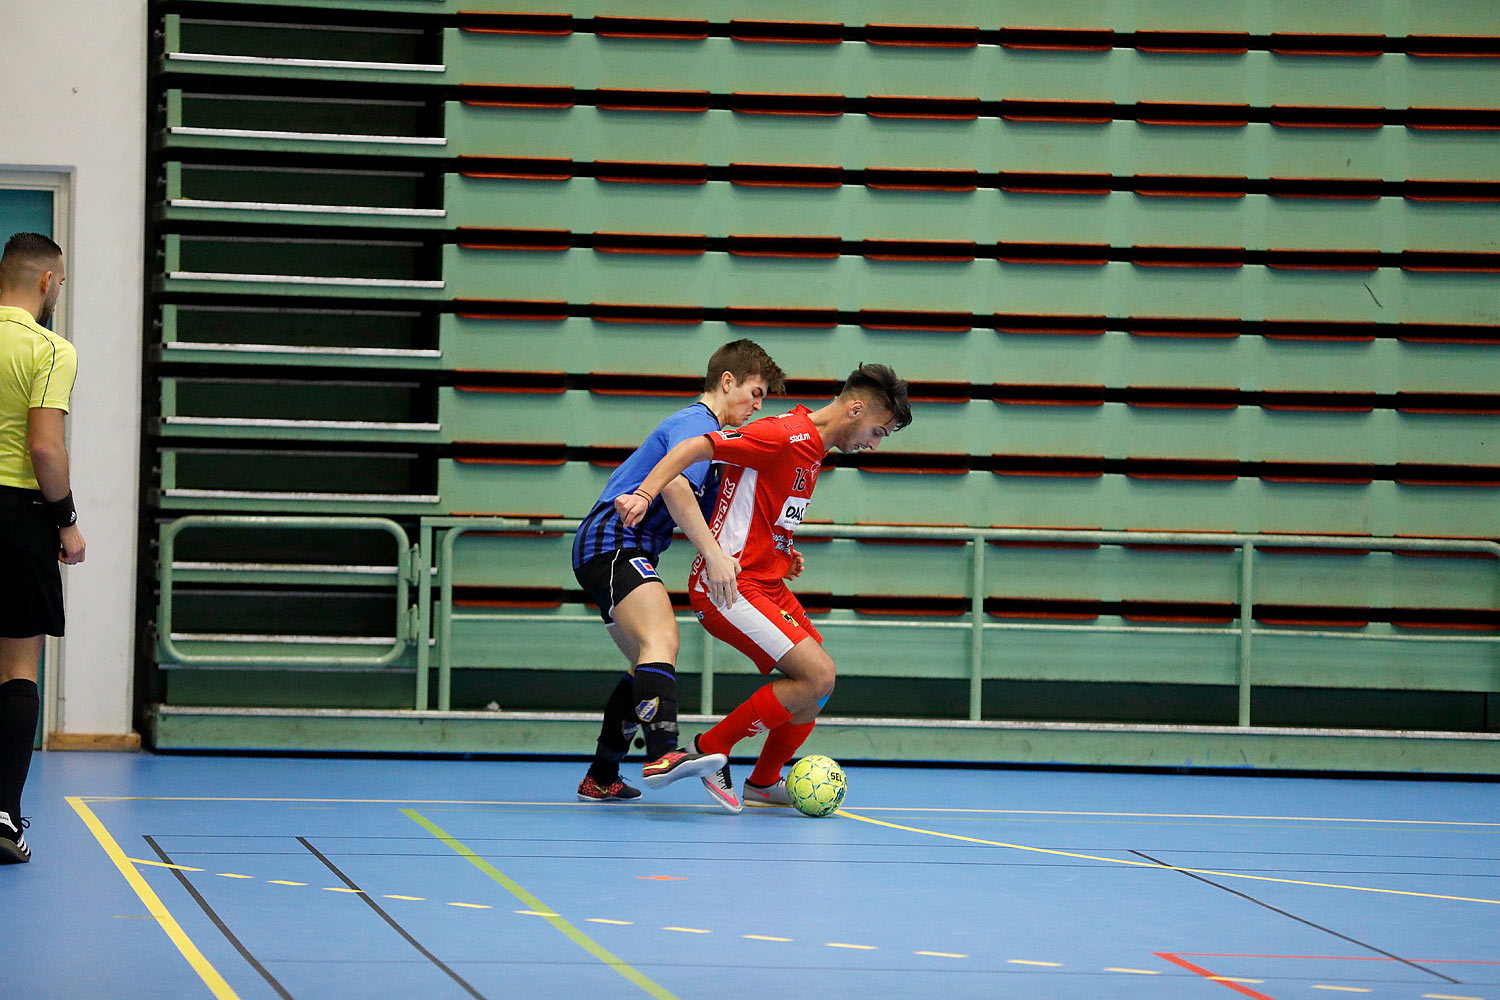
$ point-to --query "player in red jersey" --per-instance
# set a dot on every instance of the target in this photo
(771, 468)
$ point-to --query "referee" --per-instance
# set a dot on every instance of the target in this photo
(37, 520)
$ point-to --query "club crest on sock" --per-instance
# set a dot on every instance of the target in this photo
(646, 710)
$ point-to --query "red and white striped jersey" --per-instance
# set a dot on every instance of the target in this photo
(770, 469)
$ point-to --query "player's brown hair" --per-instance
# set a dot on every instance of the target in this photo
(878, 385)
(743, 359)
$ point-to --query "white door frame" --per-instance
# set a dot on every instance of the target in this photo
(59, 181)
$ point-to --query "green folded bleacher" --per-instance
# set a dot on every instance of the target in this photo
(1165, 267)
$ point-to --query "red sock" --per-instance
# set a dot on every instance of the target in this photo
(781, 743)
(763, 712)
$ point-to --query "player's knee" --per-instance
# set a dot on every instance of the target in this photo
(822, 677)
(659, 649)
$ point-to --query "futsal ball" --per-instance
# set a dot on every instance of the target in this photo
(816, 785)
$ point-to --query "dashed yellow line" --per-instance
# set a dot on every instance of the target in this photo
(687, 930)
(282, 881)
(606, 920)
(763, 937)
(233, 875)
(414, 899)
(342, 888)
(939, 954)
(1447, 996)
(1233, 979)
(1027, 961)
(473, 906)
(1137, 972)
(1343, 989)
(856, 947)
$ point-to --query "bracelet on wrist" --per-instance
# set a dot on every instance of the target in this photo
(644, 495)
(62, 511)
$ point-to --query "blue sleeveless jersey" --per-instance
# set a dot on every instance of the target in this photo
(602, 530)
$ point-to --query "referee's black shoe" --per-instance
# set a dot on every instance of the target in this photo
(13, 849)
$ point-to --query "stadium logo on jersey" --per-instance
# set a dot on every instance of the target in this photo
(798, 438)
(643, 566)
(646, 710)
(793, 510)
(729, 435)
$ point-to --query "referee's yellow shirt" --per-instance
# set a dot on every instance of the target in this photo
(37, 368)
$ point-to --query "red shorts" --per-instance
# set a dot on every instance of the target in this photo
(765, 622)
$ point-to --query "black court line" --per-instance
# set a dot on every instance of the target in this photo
(391, 920)
(223, 929)
(1303, 920)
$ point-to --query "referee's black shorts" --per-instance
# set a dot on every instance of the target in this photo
(31, 598)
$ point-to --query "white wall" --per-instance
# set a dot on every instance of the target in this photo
(73, 96)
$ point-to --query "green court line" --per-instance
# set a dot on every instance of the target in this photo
(581, 939)
(154, 906)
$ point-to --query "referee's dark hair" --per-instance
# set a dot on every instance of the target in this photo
(26, 253)
(878, 384)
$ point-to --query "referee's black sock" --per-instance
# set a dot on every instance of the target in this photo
(616, 733)
(656, 706)
(19, 705)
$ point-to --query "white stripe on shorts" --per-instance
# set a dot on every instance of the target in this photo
(756, 627)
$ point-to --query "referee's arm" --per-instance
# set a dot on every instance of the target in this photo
(49, 461)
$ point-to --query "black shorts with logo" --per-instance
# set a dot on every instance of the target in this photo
(609, 576)
(31, 597)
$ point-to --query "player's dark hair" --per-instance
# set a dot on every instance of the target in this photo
(879, 385)
(744, 359)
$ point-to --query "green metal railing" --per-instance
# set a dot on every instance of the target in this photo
(408, 619)
(433, 559)
(452, 528)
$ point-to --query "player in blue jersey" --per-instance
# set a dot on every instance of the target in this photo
(616, 566)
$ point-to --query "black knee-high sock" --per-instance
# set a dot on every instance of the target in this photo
(656, 706)
(615, 734)
(19, 705)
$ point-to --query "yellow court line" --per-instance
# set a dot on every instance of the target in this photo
(677, 805)
(210, 976)
(162, 864)
(579, 938)
(1171, 868)
(1146, 815)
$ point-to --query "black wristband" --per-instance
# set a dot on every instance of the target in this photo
(63, 514)
(644, 495)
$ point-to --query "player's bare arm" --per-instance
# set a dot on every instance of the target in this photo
(632, 506)
(49, 461)
(720, 569)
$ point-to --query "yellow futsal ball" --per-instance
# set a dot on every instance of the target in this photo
(816, 785)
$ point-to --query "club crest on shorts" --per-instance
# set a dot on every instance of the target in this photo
(788, 616)
(646, 710)
(643, 566)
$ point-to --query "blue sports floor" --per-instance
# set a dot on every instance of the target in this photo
(323, 878)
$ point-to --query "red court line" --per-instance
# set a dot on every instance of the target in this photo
(1341, 958)
(1210, 976)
